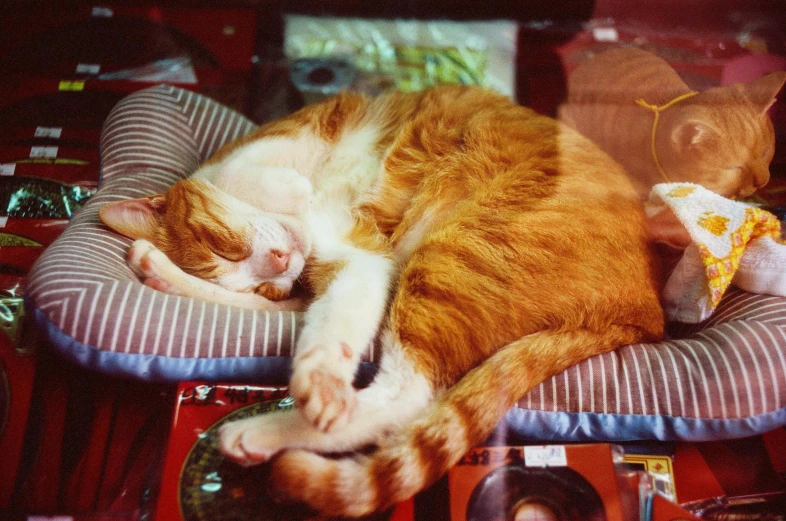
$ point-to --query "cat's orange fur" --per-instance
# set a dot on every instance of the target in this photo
(517, 248)
(721, 138)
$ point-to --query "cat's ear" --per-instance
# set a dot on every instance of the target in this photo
(135, 218)
(764, 90)
(690, 134)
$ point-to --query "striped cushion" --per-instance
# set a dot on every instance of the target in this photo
(96, 311)
(723, 378)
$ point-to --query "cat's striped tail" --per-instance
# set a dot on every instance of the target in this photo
(424, 450)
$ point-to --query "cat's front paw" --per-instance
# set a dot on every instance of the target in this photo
(250, 441)
(138, 251)
(321, 384)
(153, 267)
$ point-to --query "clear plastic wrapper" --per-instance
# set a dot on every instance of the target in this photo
(40, 198)
(409, 55)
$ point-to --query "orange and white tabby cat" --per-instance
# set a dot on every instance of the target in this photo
(486, 246)
(721, 138)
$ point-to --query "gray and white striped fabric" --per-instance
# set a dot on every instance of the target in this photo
(726, 378)
(89, 300)
(723, 378)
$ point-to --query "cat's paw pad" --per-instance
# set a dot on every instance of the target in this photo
(139, 249)
(323, 392)
(245, 442)
(161, 285)
(152, 266)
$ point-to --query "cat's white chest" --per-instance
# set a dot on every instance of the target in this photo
(351, 166)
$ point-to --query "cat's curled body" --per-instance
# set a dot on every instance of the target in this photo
(721, 138)
(486, 247)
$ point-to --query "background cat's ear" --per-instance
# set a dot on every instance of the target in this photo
(691, 133)
(135, 218)
(764, 90)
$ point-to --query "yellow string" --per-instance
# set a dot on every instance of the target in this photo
(657, 110)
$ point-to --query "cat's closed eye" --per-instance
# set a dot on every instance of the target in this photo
(231, 245)
(231, 256)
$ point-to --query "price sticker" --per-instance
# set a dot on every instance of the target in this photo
(50, 132)
(545, 456)
(7, 168)
(102, 12)
(3, 221)
(43, 152)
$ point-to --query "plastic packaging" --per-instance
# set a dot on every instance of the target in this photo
(409, 54)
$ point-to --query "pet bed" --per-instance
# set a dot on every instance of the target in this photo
(723, 378)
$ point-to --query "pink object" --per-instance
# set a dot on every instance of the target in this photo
(751, 67)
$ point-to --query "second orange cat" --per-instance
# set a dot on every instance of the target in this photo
(635, 106)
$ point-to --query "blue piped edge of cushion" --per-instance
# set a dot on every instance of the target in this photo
(524, 423)
(270, 370)
(599, 427)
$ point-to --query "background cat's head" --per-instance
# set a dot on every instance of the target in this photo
(214, 236)
(722, 138)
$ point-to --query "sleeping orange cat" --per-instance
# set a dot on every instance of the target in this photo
(484, 246)
(634, 105)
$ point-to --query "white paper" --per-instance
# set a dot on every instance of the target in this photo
(50, 132)
(605, 34)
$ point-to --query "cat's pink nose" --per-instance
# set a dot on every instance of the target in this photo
(279, 260)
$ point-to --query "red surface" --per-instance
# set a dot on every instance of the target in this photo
(93, 445)
(19, 370)
(25, 154)
(731, 468)
(775, 441)
(26, 135)
(198, 406)
(228, 34)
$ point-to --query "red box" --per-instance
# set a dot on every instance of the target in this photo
(570, 480)
(558, 481)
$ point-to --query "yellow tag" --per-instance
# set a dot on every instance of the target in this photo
(71, 85)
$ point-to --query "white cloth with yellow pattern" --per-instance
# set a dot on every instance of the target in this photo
(730, 242)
